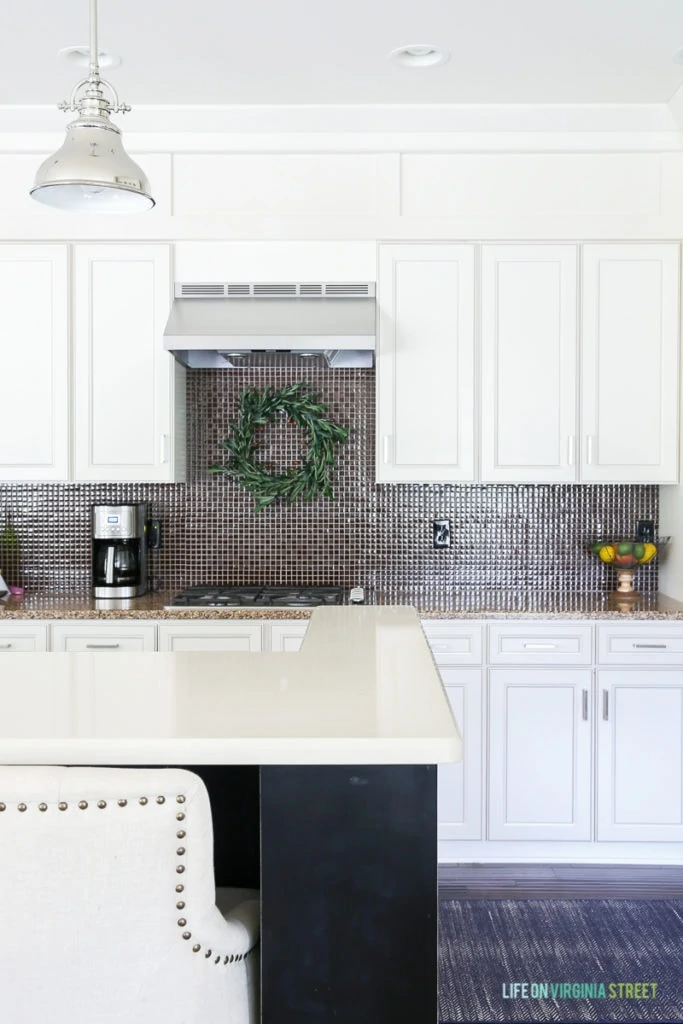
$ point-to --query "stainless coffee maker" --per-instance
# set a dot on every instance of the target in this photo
(119, 550)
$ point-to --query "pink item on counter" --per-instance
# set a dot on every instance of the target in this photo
(16, 591)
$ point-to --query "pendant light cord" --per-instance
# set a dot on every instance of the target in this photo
(94, 52)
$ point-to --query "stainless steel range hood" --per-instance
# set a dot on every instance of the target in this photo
(232, 325)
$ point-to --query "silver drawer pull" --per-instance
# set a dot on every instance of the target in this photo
(652, 647)
(102, 647)
(5, 647)
(584, 705)
(605, 705)
(540, 647)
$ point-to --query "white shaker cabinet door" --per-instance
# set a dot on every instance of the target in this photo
(630, 363)
(640, 755)
(540, 754)
(124, 381)
(460, 783)
(425, 363)
(34, 362)
(529, 363)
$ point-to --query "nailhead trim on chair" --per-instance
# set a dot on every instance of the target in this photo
(228, 958)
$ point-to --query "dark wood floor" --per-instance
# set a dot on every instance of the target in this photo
(560, 881)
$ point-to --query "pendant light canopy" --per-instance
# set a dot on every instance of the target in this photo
(91, 172)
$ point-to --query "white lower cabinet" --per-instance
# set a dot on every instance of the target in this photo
(460, 784)
(528, 775)
(640, 755)
(539, 754)
(288, 635)
(105, 637)
(210, 636)
(20, 636)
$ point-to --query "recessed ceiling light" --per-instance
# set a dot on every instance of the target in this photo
(79, 56)
(419, 55)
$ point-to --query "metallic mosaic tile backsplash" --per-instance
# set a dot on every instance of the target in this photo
(511, 537)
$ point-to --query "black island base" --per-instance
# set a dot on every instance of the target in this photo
(349, 894)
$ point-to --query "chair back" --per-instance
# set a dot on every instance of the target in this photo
(104, 874)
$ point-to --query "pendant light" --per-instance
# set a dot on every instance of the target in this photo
(91, 172)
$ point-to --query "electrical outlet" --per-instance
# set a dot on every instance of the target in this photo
(441, 534)
(645, 530)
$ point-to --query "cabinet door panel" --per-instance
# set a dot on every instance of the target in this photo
(34, 355)
(640, 756)
(425, 363)
(287, 636)
(630, 363)
(529, 352)
(123, 379)
(210, 636)
(540, 754)
(460, 784)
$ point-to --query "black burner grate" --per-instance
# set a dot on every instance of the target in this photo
(258, 597)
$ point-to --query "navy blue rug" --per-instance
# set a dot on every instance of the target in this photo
(561, 960)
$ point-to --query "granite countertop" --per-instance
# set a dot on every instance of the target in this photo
(473, 604)
(363, 689)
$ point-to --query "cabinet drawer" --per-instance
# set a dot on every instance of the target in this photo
(539, 645)
(287, 636)
(453, 645)
(94, 638)
(22, 638)
(640, 645)
(210, 636)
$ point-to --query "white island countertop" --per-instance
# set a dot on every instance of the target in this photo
(363, 689)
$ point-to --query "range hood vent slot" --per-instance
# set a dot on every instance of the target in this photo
(308, 290)
(200, 291)
(352, 290)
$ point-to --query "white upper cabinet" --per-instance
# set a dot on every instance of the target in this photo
(124, 381)
(630, 363)
(34, 361)
(425, 363)
(529, 356)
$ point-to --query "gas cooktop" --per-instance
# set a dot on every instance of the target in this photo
(265, 597)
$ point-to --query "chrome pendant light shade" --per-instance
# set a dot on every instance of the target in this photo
(91, 172)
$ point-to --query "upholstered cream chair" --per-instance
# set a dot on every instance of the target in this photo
(107, 902)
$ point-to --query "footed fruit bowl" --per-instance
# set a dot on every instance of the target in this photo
(625, 556)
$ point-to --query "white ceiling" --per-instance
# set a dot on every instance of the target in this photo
(323, 52)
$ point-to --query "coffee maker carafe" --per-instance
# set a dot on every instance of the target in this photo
(119, 550)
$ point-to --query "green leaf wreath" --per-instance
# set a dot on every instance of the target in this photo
(311, 475)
